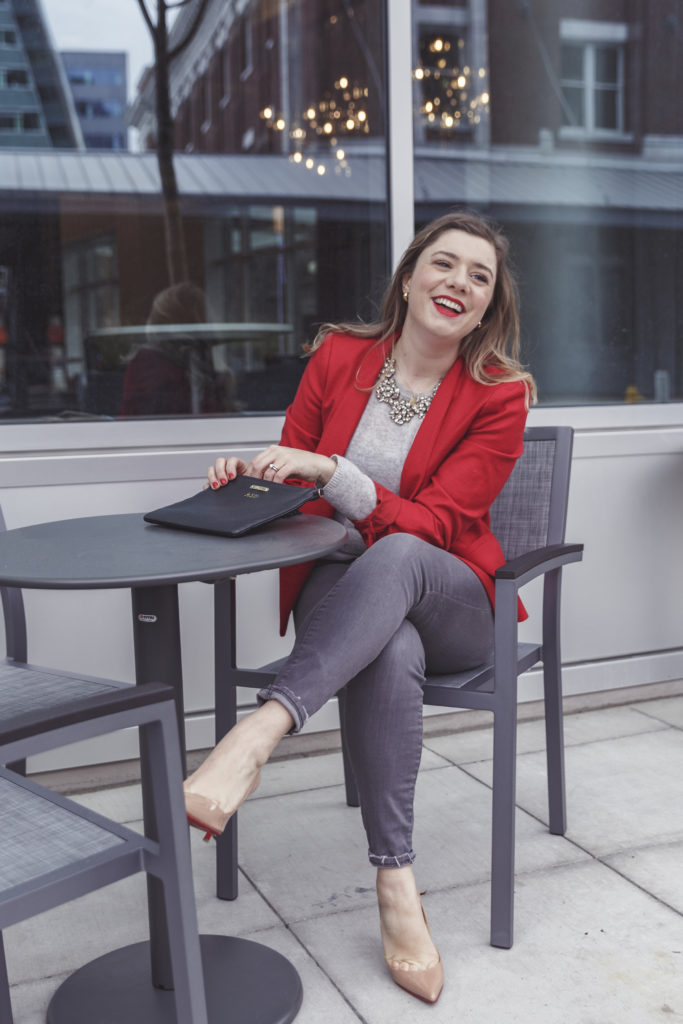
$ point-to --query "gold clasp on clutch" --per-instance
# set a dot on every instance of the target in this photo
(255, 487)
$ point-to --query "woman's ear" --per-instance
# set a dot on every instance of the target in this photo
(405, 287)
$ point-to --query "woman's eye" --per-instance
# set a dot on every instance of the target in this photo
(481, 278)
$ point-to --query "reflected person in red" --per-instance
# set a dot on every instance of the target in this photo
(171, 372)
(411, 425)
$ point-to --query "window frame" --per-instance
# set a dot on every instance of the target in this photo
(588, 37)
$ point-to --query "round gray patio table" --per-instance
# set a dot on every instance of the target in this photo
(245, 981)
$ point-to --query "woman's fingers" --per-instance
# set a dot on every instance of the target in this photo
(225, 469)
(279, 464)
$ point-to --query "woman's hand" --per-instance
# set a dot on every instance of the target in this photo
(225, 469)
(279, 463)
(275, 463)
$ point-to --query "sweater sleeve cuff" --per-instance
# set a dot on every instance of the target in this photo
(350, 491)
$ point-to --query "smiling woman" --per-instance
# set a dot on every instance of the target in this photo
(451, 295)
(412, 474)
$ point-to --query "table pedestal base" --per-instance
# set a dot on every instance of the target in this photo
(245, 981)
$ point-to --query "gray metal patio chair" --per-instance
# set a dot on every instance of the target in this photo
(51, 849)
(528, 518)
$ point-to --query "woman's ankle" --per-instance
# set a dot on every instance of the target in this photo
(397, 883)
(270, 723)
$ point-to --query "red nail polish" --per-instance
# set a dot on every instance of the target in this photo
(231, 477)
(223, 480)
(214, 485)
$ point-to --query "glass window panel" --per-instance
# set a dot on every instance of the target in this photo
(447, 87)
(572, 63)
(606, 111)
(573, 112)
(284, 227)
(591, 202)
(17, 78)
(606, 64)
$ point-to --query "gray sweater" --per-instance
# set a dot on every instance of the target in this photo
(376, 452)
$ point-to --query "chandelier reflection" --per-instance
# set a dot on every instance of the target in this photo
(340, 115)
(453, 96)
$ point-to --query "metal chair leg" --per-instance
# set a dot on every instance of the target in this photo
(503, 826)
(5, 1003)
(226, 715)
(174, 865)
(552, 687)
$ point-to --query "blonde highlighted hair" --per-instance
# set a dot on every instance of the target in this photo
(491, 352)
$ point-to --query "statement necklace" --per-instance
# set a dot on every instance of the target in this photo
(401, 410)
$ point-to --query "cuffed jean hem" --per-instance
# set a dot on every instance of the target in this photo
(383, 860)
(289, 700)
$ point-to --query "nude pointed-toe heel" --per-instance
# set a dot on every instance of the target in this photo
(425, 984)
(205, 815)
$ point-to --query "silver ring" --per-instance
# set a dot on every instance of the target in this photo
(273, 467)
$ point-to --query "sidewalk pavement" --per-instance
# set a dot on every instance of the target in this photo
(599, 912)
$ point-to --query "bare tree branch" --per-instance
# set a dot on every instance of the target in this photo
(176, 253)
(145, 14)
(190, 34)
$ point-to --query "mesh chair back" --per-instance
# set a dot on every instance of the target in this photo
(530, 512)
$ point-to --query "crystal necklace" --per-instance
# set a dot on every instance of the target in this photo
(401, 410)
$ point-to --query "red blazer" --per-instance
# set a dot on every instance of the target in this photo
(463, 452)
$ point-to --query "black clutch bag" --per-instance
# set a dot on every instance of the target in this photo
(239, 507)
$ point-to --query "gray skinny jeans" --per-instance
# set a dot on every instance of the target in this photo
(377, 625)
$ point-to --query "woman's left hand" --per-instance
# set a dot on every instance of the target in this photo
(278, 463)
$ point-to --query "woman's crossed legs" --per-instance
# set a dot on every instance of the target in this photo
(376, 626)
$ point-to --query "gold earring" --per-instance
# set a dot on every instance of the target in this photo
(405, 294)
(478, 325)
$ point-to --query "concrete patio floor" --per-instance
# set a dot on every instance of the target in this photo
(599, 912)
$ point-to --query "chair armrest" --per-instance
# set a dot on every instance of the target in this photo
(44, 720)
(534, 563)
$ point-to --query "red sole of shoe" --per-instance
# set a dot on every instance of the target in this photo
(210, 833)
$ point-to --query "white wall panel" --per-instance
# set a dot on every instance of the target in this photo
(622, 618)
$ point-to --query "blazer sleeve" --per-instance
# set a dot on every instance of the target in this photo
(450, 509)
(304, 419)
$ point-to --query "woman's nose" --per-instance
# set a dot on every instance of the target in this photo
(457, 278)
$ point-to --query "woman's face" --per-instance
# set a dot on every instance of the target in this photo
(451, 286)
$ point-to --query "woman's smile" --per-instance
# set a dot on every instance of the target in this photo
(448, 306)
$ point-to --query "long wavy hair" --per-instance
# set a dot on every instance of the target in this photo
(491, 352)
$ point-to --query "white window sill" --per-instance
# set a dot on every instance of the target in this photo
(571, 134)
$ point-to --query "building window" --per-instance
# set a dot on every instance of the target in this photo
(8, 37)
(30, 122)
(445, 83)
(16, 78)
(450, 72)
(95, 76)
(99, 108)
(592, 78)
(8, 122)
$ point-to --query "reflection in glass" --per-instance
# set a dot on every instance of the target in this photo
(279, 122)
(585, 179)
